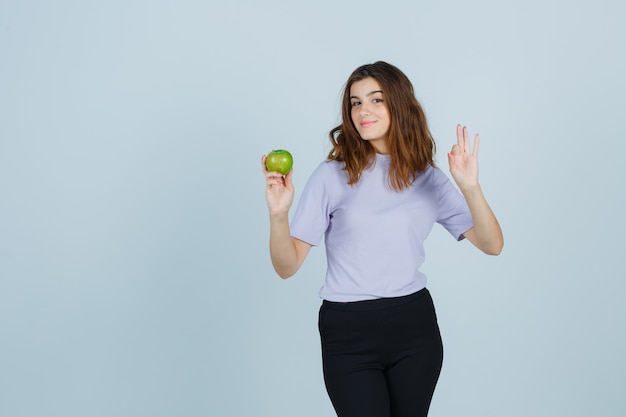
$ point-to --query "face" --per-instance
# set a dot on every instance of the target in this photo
(369, 113)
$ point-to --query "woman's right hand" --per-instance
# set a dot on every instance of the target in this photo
(278, 191)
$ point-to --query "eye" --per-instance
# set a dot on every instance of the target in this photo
(378, 100)
(355, 103)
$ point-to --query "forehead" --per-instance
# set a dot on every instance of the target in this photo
(364, 87)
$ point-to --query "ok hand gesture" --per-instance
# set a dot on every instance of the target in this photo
(463, 163)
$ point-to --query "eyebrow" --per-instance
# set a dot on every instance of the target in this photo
(369, 94)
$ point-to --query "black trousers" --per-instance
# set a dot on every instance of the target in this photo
(381, 358)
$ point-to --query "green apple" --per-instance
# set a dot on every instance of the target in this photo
(279, 160)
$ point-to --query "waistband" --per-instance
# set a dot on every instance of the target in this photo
(376, 304)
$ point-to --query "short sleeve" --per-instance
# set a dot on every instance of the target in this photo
(312, 215)
(453, 212)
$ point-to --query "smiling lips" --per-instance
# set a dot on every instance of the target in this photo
(367, 124)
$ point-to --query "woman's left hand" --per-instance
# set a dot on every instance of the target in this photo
(464, 161)
(486, 233)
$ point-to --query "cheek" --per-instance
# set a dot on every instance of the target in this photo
(353, 113)
(387, 120)
(385, 114)
(354, 117)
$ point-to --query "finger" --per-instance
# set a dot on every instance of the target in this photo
(466, 143)
(288, 179)
(476, 143)
(275, 177)
(455, 150)
(459, 135)
(275, 182)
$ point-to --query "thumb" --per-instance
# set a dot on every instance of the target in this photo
(288, 179)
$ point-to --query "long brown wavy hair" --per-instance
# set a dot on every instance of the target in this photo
(411, 145)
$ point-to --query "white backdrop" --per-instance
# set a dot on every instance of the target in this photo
(134, 272)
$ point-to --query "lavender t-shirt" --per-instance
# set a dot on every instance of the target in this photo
(374, 235)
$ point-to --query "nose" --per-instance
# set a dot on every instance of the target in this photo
(364, 110)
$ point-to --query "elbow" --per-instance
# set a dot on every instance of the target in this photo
(494, 252)
(284, 275)
(495, 249)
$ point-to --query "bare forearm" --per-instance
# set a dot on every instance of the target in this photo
(486, 234)
(282, 249)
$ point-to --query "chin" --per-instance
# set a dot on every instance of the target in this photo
(371, 139)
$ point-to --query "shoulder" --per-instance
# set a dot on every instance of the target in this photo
(323, 185)
(333, 165)
(435, 179)
(327, 177)
(437, 175)
(327, 170)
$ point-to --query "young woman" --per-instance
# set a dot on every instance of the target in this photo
(375, 200)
